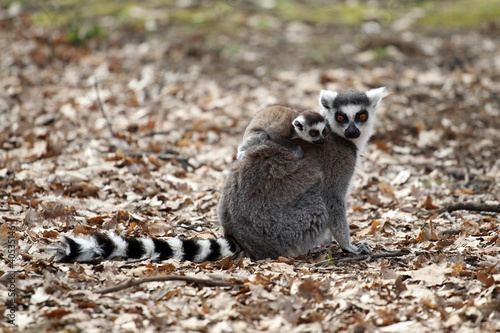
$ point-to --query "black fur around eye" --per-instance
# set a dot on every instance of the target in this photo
(341, 117)
(362, 116)
(313, 133)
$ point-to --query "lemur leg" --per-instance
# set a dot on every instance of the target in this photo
(339, 228)
(295, 149)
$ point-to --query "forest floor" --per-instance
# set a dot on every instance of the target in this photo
(177, 107)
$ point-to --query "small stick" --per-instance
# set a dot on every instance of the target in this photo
(471, 206)
(136, 282)
(373, 256)
(101, 107)
(184, 161)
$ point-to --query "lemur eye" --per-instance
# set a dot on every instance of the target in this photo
(340, 118)
(313, 133)
(362, 117)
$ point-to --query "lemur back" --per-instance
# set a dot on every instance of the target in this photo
(273, 119)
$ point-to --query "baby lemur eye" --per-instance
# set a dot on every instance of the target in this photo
(340, 118)
(313, 133)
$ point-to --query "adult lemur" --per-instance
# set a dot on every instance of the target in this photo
(271, 204)
(281, 125)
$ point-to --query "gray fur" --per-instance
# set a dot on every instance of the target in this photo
(272, 204)
(351, 97)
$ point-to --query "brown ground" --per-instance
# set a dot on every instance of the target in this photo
(179, 109)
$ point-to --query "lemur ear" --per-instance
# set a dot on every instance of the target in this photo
(326, 98)
(298, 125)
(376, 95)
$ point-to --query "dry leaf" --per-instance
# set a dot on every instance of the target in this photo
(371, 230)
(428, 203)
(485, 280)
(57, 313)
(385, 188)
(400, 286)
(458, 269)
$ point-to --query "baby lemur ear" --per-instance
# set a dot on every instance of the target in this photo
(326, 98)
(376, 95)
(298, 125)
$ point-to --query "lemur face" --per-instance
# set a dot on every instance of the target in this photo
(351, 119)
(311, 127)
(350, 114)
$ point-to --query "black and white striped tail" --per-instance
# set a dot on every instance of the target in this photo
(100, 245)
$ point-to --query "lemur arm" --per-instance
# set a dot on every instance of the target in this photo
(295, 149)
(256, 138)
(339, 227)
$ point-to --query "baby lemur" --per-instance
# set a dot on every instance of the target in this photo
(271, 204)
(281, 125)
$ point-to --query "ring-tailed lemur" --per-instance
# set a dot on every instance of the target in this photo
(271, 204)
(282, 124)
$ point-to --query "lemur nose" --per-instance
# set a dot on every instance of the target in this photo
(352, 132)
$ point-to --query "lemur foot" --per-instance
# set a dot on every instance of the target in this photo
(361, 248)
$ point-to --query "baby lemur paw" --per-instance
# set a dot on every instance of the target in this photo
(298, 153)
(241, 155)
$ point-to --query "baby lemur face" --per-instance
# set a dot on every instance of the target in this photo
(310, 126)
(351, 114)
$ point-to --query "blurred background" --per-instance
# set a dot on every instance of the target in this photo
(261, 34)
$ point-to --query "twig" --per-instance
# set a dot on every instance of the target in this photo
(136, 282)
(101, 107)
(169, 155)
(471, 206)
(373, 256)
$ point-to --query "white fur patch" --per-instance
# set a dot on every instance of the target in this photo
(120, 248)
(300, 119)
(319, 126)
(88, 249)
(149, 247)
(376, 95)
(327, 97)
(177, 248)
(204, 250)
(225, 249)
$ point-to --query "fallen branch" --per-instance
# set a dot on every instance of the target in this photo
(471, 206)
(169, 155)
(101, 107)
(136, 282)
(372, 256)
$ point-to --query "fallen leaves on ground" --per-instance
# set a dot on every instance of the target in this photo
(62, 172)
